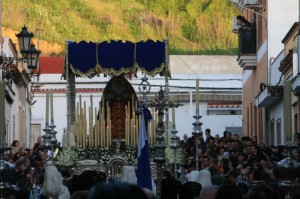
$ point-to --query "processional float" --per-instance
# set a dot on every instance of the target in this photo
(101, 143)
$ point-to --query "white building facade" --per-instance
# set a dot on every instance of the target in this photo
(220, 93)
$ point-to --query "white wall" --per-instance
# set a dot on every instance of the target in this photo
(184, 115)
(281, 16)
(276, 112)
(184, 70)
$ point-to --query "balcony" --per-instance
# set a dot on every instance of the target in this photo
(269, 95)
(247, 48)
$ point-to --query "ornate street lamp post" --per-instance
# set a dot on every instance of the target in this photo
(160, 105)
(197, 130)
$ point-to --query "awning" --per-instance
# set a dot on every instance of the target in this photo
(116, 57)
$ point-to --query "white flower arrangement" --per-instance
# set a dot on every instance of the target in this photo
(170, 156)
(104, 154)
(130, 154)
(68, 157)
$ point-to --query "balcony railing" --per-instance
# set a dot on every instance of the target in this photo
(247, 40)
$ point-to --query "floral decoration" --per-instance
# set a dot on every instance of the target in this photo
(170, 155)
(130, 154)
(67, 157)
(104, 154)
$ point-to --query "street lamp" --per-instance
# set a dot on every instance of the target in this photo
(29, 53)
(27, 49)
(32, 57)
(25, 39)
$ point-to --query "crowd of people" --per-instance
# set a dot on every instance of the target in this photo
(230, 167)
(226, 167)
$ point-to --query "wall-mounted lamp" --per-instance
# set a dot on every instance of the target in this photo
(28, 50)
(30, 55)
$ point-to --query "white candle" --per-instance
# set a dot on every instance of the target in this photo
(47, 108)
(84, 125)
(51, 106)
(173, 114)
(96, 129)
(197, 95)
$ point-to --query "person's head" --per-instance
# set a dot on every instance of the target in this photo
(228, 191)
(253, 149)
(228, 135)
(297, 138)
(185, 136)
(236, 137)
(261, 192)
(296, 155)
(221, 150)
(239, 19)
(205, 161)
(15, 143)
(207, 132)
(208, 192)
(39, 140)
(149, 193)
(165, 174)
(242, 157)
(116, 190)
(79, 195)
(65, 173)
(190, 159)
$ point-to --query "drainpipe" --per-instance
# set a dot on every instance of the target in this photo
(298, 42)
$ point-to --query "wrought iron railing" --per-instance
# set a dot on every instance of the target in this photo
(247, 40)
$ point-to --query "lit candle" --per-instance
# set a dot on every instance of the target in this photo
(173, 114)
(109, 132)
(84, 125)
(103, 127)
(126, 136)
(197, 95)
(47, 108)
(148, 131)
(100, 124)
(51, 106)
(131, 132)
(91, 121)
(154, 132)
(132, 104)
(106, 136)
(91, 137)
(96, 129)
(77, 125)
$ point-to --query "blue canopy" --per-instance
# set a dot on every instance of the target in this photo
(117, 57)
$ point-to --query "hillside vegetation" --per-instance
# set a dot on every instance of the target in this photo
(191, 26)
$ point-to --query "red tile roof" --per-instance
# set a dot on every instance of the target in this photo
(52, 65)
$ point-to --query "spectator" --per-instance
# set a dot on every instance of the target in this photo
(208, 135)
(184, 140)
(15, 147)
(208, 192)
(228, 191)
(38, 143)
(169, 186)
(116, 190)
(262, 192)
(241, 21)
